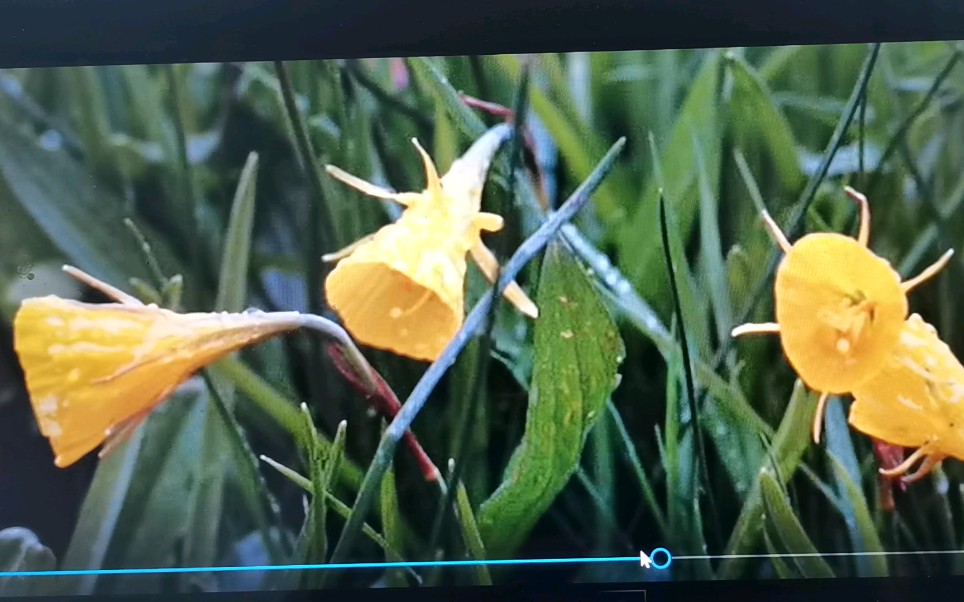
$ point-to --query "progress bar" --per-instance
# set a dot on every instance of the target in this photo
(315, 567)
(456, 563)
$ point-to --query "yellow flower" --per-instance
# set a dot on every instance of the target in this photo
(96, 371)
(839, 308)
(916, 401)
(402, 288)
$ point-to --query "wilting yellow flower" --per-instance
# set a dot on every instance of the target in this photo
(402, 288)
(916, 400)
(96, 371)
(839, 308)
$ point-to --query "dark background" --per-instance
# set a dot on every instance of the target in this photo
(77, 32)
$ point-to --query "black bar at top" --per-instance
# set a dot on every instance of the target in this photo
(75, 32)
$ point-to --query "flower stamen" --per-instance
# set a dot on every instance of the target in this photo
(863, 237)
(776, 233)
(764, 328)
(818, 417)
(928, 273)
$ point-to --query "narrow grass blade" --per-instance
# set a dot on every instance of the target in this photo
(790, 441)
(784, 524)
(471, 534)
(690, 383)
(864, 537)
(391, 523)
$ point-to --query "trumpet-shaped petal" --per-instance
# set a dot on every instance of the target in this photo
(916, 400)
(91, 369)
(402, 297)
(840, 309)
(402, 288)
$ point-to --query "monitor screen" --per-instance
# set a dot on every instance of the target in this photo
(641, 318)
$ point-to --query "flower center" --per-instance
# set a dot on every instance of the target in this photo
(849, 318)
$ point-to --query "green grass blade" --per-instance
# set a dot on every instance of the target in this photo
(471, 534)
(639, 471)
(392, 523)
(279, 408)
(756, 118)
(639, 238)
(236, 256)
(790, 441)
(97, 521)
(784, 523)
(861, 525)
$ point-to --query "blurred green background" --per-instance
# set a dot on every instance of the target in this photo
(207, 160)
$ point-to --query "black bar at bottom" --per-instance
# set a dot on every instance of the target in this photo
(893, 589)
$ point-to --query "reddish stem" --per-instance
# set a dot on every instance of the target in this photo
(385, 402)
(888, 456)
(508, 114)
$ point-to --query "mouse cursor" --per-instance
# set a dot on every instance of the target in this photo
(644, 560)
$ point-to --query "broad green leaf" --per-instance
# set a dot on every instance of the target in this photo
(134, 515)
(90, 116)
(787, 447)
(577, 355)
(21, 550)
(694, 298)
(82, 218)
(738, 446)
(784, 524)
(256, 499)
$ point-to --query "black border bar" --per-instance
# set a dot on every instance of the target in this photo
(895, 589)
(86, 32)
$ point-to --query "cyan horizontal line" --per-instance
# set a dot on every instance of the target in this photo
(316, 567)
